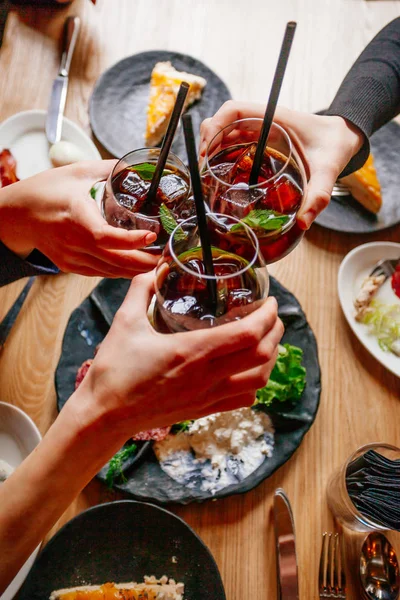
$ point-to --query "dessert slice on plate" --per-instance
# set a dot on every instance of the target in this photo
(151, 589)
(164, 86)
(364, 186)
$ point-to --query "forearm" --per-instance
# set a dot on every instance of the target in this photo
(14, 225)
(46, 483)
(369, 96)
(16, 257)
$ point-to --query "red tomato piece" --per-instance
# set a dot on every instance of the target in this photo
(396, 281)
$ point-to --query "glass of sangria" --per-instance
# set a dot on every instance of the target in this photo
(125, 202)
(270, 206)
(183, 299)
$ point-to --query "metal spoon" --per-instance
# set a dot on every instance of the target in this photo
(379, 569)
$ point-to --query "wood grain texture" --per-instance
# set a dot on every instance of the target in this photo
(360, 399)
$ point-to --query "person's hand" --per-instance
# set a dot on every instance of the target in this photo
(54, 213)
(325, 143)
(141, 379)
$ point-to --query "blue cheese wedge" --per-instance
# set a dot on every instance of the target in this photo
(219, 450)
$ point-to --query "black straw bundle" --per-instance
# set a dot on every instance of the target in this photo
(373, 484)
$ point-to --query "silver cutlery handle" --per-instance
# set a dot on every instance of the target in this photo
(71, 32)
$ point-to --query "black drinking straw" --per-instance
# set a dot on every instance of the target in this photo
(272, 100)
(200, 208)
(167, 141)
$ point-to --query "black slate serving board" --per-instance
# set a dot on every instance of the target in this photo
(121, 542)
(118, 104)
(146, 481)
(346, 215)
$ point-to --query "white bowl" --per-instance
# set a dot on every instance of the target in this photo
(24, 135)
(18, 437)
(355, 267)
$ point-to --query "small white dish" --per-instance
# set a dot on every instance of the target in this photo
(355, 267)
(24, 135)
(18, 438)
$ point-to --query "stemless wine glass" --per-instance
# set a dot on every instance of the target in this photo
(184, 300)
(270, 206)
(125, 195)
(339, 500)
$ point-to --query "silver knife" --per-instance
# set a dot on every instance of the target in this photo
(60, 86)
(286, 560)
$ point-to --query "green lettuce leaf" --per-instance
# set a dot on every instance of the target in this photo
(287, 380)
(383, 321)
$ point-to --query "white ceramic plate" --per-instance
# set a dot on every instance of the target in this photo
(355, 267)
(24, 134)
(18, 437)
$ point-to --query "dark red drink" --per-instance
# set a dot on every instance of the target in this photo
(125, 202)
(271, 206)
(183, 300)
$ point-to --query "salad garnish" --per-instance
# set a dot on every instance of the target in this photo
(384, 323)
(287, 380)
(115, 464)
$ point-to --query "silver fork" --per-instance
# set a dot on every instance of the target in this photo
(385, 267)
(332, 580)
(339, 189)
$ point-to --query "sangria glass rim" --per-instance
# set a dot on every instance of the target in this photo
(204, 276)
(151, 148)
(262, 184)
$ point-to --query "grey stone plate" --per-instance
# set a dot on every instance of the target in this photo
(118, 104)
(146, 480)
(346, 215)
(121, 542)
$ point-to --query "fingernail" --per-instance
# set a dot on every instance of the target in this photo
(150, 238)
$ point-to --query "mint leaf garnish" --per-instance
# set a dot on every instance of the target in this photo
(115, 464)
(93, 192)
(169, 223)
(146, 171)
(270, 220)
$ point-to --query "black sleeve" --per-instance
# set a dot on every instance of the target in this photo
(12, 267)
(369, 96)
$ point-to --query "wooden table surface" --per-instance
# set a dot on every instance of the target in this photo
(240, 41)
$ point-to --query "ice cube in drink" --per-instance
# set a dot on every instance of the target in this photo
(183, 299)
(126, 203)
(269, 207)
